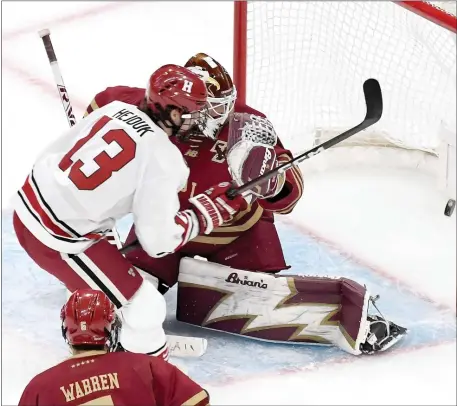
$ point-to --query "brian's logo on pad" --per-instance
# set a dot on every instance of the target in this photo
(233, 278)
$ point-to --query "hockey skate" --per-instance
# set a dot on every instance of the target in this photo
(382, 333)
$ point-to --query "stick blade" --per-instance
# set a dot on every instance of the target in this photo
(373, 99)
(186, 347)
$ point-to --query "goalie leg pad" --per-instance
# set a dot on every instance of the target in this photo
(293, 309)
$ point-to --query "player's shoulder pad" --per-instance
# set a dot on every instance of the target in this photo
(126, 94)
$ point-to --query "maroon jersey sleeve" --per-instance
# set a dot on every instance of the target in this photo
(130, 95)
(174, 388)
(285, 201)
(29, 396)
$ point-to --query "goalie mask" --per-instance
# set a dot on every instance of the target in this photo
(221, 92)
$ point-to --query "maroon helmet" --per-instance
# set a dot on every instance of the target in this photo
(221, 91)
(175, 87)
(87, 318)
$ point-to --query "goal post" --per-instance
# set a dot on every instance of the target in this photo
(444, 16)
(240, 29)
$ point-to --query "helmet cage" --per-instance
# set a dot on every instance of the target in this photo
(193, 123)
(219, 108)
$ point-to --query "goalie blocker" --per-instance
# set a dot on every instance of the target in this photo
(289, 309)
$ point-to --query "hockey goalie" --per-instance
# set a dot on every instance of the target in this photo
(239, 288)
(270, 306)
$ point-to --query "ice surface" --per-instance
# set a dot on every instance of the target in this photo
(383, 227)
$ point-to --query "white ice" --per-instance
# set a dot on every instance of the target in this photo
(389, 218)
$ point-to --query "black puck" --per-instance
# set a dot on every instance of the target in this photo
(449, 209)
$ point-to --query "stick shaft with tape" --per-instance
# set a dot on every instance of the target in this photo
(65, 99)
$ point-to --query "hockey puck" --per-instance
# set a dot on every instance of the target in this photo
(449, 209)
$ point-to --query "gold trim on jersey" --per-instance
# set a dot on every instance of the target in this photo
(242, 227)
(196, 399)
(202, 239)
(88, 353)
(94, 106)
(297, 175)
(216, 240)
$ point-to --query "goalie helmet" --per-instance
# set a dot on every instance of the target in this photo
(221, 91)
(174, 87)
(88, 318)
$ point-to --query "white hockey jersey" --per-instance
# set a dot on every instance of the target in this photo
(114, 162)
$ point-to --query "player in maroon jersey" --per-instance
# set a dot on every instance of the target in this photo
(239, 143)
(95, 376)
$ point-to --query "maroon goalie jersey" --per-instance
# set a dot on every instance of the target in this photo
(208, 166)
(120, 378)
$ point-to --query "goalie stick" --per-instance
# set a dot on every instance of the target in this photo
(180, 346)
(373, 101)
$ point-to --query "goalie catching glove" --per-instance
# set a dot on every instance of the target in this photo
(251, 153)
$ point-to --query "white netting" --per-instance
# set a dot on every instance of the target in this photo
(449, 6)
(307, 61)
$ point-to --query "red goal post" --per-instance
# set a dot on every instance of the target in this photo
(303, 64)
(433, 12)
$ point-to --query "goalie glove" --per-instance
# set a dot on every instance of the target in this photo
(251, 153)
(261, 159)
(213, 208)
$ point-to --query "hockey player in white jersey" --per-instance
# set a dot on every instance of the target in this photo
(117, 161)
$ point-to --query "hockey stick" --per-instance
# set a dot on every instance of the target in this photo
(64, 98)
(113, 237)
(373, 101)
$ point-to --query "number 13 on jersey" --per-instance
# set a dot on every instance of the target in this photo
(106, 164)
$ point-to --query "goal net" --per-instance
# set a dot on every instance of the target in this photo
(303, 64)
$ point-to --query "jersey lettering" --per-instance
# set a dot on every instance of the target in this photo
(106, 164)
(104, 400)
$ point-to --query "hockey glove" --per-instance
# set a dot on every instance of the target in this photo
(251, 153)
(261, 159)
(213, 208)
